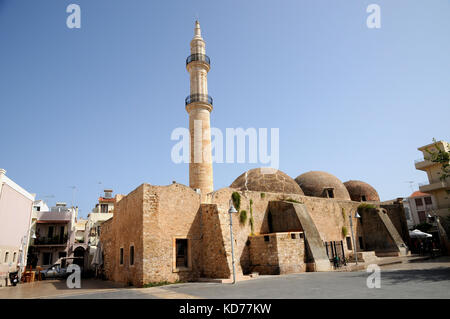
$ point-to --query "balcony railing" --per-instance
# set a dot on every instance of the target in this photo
(57, 240)
(198, 57)
(198, 98)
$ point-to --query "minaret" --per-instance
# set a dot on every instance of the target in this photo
(199, 107)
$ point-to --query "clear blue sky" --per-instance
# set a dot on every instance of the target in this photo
(98, 104)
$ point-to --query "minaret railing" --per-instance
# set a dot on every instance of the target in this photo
(198, 57)
(198, 98)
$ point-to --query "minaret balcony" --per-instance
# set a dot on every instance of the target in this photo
(198, 57)
(204, 98)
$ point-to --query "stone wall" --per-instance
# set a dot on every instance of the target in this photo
(124, 230)
(277, 253)
(329, 216)
(152, 218)
(397, 215)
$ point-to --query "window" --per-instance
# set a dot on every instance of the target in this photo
(330, 192)
(181, 253)
(361, 243)
(98, 230)
(428, 201)
(422, 217)
(121, 256)
(50, 232)
(418, 201)
(363, 198)
(47, 258)
(131, 255)
(266, 238)
(293, 236)
(349, 243)
(14, 257)
(104, 208)
(6, 257)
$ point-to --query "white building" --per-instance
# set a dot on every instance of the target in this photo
(15, 218)
(417, 207)
(53, 235)
(102, 212)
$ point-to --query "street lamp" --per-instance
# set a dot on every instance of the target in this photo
(353, 237)
(231, 211)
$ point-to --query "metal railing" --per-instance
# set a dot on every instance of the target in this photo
(198, 57)
(198, 98)
(57, 240)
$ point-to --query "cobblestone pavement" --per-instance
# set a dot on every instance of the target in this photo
(422, 279)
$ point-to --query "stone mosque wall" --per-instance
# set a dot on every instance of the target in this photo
(152, 218)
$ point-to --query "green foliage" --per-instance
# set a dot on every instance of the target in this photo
(263, 195)
(343, 214)
(243, 217)
(365, 207)
(344, 231)
(236, 197)
(442, 157)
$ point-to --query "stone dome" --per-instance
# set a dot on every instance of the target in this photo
(360, 191)
(266, 180)
(322, 184)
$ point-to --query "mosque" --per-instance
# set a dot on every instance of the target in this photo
(282, 225)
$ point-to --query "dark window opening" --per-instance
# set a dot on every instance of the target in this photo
(428, 201)
(363, 198)
(121, 256)
(182, 253)
(50, 232)
(301, 235)
(349, 243)
(266, 238)
(330, 192)
(293, 236)
(131, 255)
(104, 208)
(47, 258)
(361, 243)
(418, 201)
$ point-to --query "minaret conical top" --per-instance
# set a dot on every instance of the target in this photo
(197, 30)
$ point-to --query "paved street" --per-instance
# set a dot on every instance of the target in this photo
(425, 279)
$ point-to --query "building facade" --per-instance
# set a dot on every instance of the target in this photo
(102, 212)
(15, 218)
(436, 186)
(418, 206)
(53, 235)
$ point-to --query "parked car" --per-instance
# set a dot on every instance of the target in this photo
(59, 269)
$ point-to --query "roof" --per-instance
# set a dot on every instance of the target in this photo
(419, 194)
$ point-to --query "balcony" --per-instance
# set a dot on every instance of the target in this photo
(204, 98)
(423, 187)
(422, 164)
(54, 217)
(51, 241)
(198, 57)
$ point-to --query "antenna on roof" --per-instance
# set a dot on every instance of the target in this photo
(411, 185)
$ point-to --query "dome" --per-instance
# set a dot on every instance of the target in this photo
(361, 191)
(322, 184)
(266, 180)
